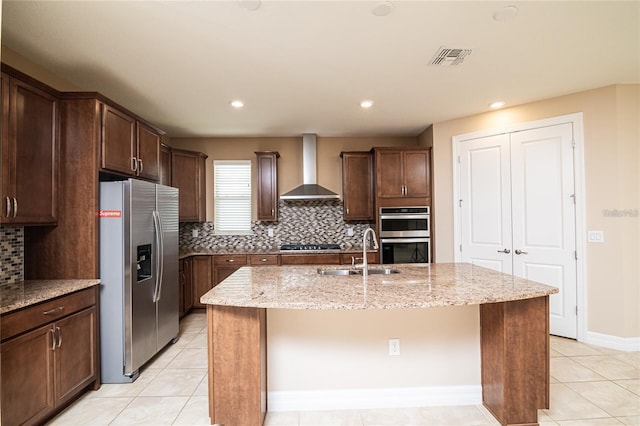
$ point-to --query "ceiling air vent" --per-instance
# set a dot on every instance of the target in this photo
(447, 57)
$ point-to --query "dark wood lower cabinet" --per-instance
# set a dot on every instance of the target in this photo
(202, 278)
(46, 365)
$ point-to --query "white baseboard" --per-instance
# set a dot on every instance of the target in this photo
(344, 399)
(628, 344)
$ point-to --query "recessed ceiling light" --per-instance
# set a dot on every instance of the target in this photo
(382, 8)
(506, 13)
(366, 104)
(237, 104)
(496, 105)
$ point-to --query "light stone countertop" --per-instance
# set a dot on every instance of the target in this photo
(22, 294)
(416, 286)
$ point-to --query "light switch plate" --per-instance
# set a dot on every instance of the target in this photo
(194, 233)
(595, 236)
(270, 232)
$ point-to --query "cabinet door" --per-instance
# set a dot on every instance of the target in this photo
(186, 286)
(6, 153)
(165, 165)
(75, 353)
(357, 186)
(202, 273)
(188, 175)
(27, 377)
(32, 146)
(267, 186)
(417, 176)
(148, 153)
(118, 141)
(389, 181)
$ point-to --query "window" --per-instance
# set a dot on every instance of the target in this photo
(232, 196)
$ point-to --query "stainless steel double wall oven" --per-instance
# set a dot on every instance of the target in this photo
(405, 234)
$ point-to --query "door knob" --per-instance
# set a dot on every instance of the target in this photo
(507, 251)
(521, 252)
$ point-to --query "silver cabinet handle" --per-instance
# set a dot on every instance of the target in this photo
(134, 164)
(347, 210)
(15, 207)
(8, 207)
(141, 166)
(59, 336)
(507, 251)
(230, 260)
(53, 339)
(521, 252)
(263, 259)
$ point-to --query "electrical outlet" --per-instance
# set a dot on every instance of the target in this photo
(394, 346)
(595, 236)
(350, 232)
(194, 233)
(270, 232)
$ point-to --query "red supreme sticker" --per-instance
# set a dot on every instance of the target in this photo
(109, 213)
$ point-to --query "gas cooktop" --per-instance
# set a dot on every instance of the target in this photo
(310, 247)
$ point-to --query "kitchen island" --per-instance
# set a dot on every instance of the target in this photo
(514, 318)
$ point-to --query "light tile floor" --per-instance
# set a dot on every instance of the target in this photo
(589, 386)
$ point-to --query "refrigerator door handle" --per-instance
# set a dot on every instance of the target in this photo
(157, 221)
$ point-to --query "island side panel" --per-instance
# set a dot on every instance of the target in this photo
(237, 365)
(515, 359)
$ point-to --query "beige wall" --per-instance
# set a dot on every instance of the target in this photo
(611, 164)
(324, 350)
(329, 165)
(21, 63)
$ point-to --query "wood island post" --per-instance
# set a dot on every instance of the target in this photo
(237, 348)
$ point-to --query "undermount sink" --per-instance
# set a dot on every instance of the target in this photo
(339, 272)
(382, 271)
(372, 271)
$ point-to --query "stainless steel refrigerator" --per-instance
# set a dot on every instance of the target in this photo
(138, 274)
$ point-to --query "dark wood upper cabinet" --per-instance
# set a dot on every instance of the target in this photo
(188, 170)
(165, 165)
(357, 185)
(267, 186)
(403, 173)
(148, 152)
(129, 147)
(118, 141)
(29, 150)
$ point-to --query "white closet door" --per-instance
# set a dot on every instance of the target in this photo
(544, 238)
(516, 195)
(485, 192)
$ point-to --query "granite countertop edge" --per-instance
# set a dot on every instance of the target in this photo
(276, 251)
(22, 294)
(419, 286)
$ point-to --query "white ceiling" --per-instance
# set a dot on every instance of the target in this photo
(304, 66)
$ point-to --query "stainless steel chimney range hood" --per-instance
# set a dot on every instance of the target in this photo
(309, 190)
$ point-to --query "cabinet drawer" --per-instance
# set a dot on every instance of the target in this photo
(29, 318)
(264, 259)
(230, 260)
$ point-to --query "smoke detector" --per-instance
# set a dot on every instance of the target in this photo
(448, 57)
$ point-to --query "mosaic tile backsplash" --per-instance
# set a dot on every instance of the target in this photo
(304, 222)
(11, 254)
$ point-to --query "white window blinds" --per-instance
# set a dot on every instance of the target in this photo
(232, 196)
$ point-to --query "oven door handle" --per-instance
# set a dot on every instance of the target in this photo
(405, 240)
(405, 216)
